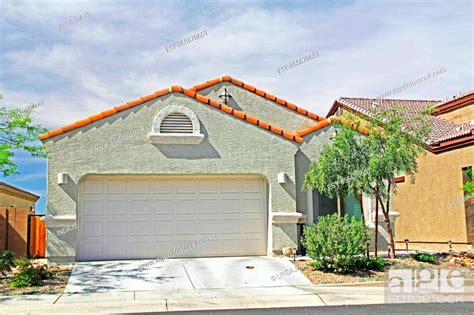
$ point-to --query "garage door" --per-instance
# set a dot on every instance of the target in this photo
(148, 217)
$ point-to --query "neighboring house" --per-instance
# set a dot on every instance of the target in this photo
(16, 206)
(221, 160)
(11, 196)
(434, 209)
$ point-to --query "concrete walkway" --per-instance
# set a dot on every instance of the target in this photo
(199, 299)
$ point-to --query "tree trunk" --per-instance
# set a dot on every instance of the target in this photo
(390, 235)
(367, 249)
(386, 212)
(376, 237)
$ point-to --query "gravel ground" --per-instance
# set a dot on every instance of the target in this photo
(462, 262)
(55, 284)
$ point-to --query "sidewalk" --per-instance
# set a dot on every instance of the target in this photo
(162, 301)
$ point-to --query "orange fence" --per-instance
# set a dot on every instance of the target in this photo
(22, 232)
(37, 237)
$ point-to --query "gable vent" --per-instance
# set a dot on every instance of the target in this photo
(176, 123)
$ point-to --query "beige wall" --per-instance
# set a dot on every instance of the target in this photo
(432, 209)
(7, 200)
(460, 115)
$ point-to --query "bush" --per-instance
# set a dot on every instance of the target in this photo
(7, 261)
(336, 244)
(375, 263)
(28, 275)
(424, 257)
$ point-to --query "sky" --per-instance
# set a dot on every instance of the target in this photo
(117, 52)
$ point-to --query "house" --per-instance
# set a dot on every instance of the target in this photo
(434, 209)
(11, 196)
(222, 161)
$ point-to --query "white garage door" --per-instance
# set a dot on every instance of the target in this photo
(148, 217)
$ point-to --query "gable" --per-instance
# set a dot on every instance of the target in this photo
(259, 106)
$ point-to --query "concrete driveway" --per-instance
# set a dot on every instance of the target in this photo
(184, 274)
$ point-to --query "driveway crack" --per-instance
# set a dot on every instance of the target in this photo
(189, 277)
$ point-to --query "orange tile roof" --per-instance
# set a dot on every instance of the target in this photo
(174, 89)
(248, 87)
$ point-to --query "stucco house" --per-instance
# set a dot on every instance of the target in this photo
(222, 161)
(434, 209)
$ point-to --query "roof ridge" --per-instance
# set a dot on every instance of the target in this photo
(251, 88)
(18, 189)
(173, 89)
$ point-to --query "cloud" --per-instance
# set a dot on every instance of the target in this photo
(117, 54)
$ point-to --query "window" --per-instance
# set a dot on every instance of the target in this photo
(176, 125)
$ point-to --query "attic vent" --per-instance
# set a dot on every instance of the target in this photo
(176, 123)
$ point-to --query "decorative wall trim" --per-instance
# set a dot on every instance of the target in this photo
(59, 220)
(288, 217)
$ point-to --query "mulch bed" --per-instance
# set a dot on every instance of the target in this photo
(463, 262)
(55, 284)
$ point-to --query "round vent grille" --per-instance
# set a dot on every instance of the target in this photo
(176, 123)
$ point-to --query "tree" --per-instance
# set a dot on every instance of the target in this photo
(341, 168)
(354, 164)
(18, 133)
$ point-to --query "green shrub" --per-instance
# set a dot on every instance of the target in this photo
(7, 261)
(28, 275)
(374, 263)
(336, 244)
(424, 257)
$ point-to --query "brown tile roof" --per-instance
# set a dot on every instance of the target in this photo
(443, 129)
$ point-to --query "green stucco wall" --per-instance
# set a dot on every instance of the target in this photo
(119, 145)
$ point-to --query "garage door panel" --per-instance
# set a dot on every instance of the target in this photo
(146, 217)
(186, 227)
(163, 186)
(208, 186)
(184, 206)
(209, 227)
(139, 206)
(116, 186)
(138, 186)
(115, 207)
(116, 228)
(92, 228)
(138, 227)
(93, 207)
(231, 205)
(209, 206)
(163, 206)
(93, 187)
(184, 186)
